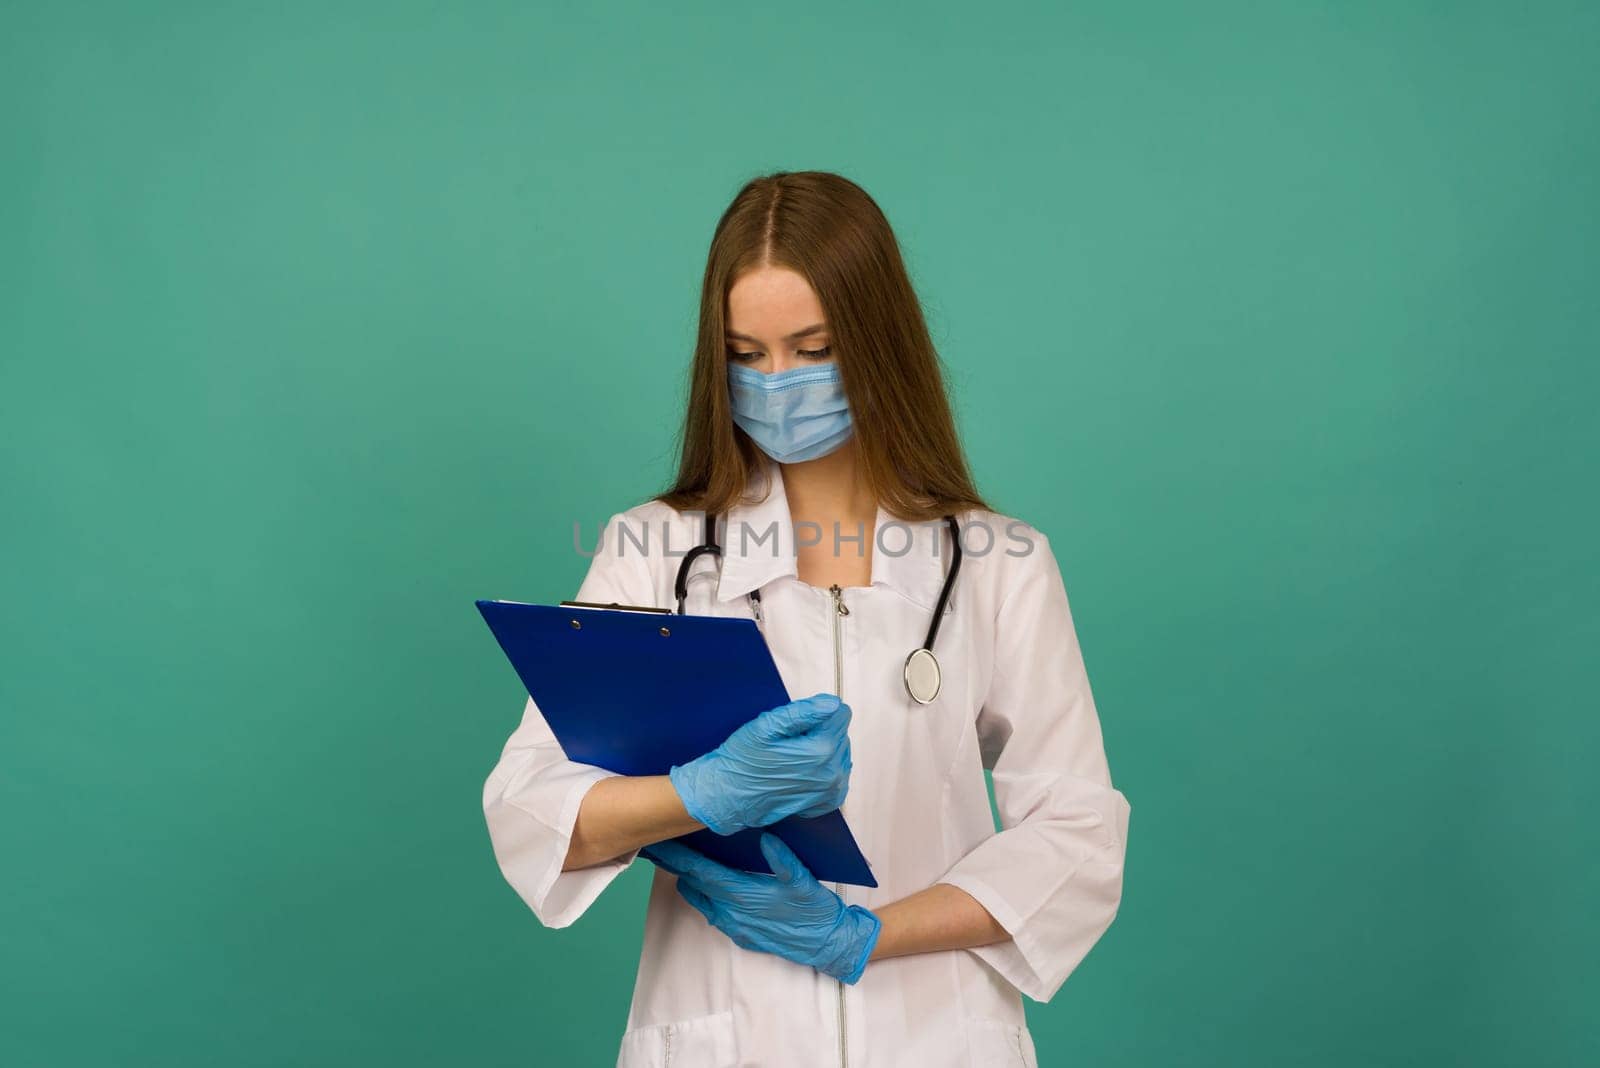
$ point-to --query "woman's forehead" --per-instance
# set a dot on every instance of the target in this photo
(773, 303)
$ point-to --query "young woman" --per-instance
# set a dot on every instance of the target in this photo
(819, 438)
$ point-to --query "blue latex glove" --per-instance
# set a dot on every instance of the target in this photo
(788, 913)
(793, 760)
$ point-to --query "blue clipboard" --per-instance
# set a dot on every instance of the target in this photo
(636, 691)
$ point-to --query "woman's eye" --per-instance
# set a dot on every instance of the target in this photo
(811, 354)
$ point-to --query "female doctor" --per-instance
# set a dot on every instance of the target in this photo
(819, 438)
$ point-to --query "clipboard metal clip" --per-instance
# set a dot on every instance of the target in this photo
(617, 607)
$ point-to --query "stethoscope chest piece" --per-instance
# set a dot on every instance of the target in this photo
(922, 676)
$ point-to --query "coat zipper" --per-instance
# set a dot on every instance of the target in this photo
(839, 611)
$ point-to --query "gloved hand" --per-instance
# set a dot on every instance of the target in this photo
(790, 760)
(788, 913)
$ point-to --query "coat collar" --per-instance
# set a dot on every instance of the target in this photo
(758, 546)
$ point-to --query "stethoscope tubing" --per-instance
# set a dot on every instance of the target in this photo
(919, 692)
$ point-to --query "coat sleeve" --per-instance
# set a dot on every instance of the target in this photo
(532, 795)
(1052, 876)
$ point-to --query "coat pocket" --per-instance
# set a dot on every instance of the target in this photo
(706, 1041)
(997, 1044)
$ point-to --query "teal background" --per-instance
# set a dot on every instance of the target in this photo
(318, 322)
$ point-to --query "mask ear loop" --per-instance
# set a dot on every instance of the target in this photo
(681, 586)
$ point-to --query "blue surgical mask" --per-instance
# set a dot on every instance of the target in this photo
(794, 415)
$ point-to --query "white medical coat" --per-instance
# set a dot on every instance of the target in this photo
(1015, 699)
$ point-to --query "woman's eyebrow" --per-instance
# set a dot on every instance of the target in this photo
(814, 328)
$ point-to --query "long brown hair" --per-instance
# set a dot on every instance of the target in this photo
(828, 230)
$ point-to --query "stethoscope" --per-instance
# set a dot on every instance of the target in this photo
(921, 670)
